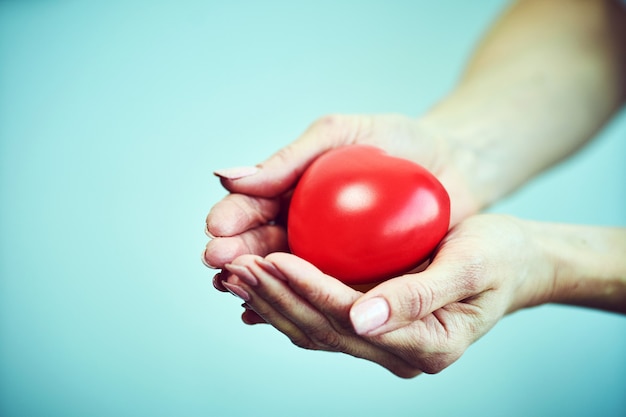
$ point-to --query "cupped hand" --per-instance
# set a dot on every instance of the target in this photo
(415, 323)
(249, 219)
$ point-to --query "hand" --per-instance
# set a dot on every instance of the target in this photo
(249, 219)
(415, 323)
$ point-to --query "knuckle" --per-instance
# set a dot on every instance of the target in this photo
(242, 207)
(329, 340)
(339, 129)
(280, 300)
(285, 156)
(329, 121)
(417, 299)
(262, 240)
(317, 294)
(254, 242)
(474, 273)
(343, 325)
(264, 210)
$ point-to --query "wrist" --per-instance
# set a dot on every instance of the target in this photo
(471, 141)
(589, 266)
(456, 166)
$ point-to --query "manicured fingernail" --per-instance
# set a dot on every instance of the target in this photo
(369, 315)
(237, 291)
(206, 232)
(270, 268)
(243, 273)
(217, 282)
(205, 262)
(250, 317)
(236, 173)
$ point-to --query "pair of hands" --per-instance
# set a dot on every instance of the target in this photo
(418, 322)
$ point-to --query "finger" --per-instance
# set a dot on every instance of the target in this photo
(400, 301)
(430, 344)
(327, 294)
(237, 213)
(237, 283)
(280, 171)
(259, 241)
(218, 279)
(249, 316)
(275, 289)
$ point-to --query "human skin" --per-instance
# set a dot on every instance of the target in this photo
(430, 318)
(546, 77)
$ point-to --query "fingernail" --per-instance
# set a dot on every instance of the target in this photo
(243, 273)
(217, 282)
(249, 317)
(206, 232)
(205, 262)
(270, 268)
(369, 315)
(236, 173)
(237, 291)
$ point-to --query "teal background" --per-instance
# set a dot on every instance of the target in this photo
(112, 117)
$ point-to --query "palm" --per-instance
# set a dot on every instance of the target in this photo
(248, 221)
(313, 309)
(434, 315)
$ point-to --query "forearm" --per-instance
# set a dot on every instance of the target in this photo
(588, 266)
(543, 81)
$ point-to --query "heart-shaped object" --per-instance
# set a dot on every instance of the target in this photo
(363, 216)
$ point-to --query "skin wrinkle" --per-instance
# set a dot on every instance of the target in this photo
(401, 365)
(349, 343)
(421, 354)
(448, 348)
(321, 296)
(329, 340)
(259, 213)
(266, 244)
(411, 349)
(396, 363)
(265, 216)
(337, 128)
(249, 216)
(319, 334)
(285, 155)
(245, 212)
(363, 128)
(420, 301)
(267, 313)
(482, 140)
(341, 326)
(324, 127)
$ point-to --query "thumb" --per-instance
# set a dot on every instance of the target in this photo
(400, 301)
(279, 172)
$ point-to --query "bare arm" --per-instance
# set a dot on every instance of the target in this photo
(589, 265)
(546, 77)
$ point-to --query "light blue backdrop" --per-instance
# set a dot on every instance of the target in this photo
(112, 117)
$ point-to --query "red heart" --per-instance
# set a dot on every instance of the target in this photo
(363, 216)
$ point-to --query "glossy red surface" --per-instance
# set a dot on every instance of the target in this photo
(363, 216)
